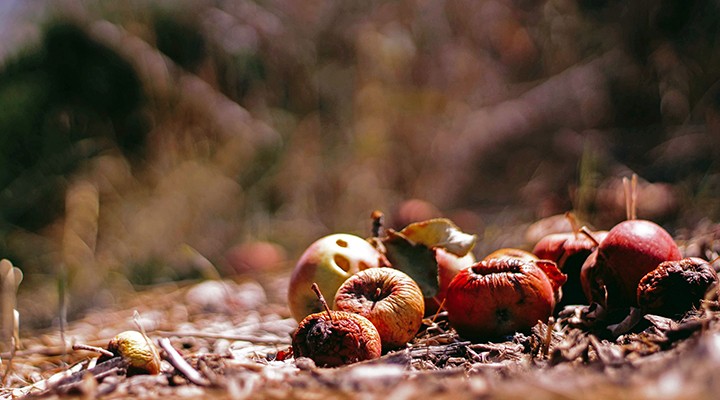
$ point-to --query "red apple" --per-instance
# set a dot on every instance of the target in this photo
(499, 296)
(329, 261)
(449, 265)
(631, 249)
(569, 251)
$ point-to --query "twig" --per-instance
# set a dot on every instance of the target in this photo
(176, 360)
(548, 337)
(208, 335)
(80, 346)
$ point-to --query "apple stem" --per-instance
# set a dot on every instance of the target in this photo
(377, 222)
(570, 216)
(378, 291)
(630, 188)
(320, 297)
(585, 231)
(633, 196)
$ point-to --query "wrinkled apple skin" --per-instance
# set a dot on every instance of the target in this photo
(569, 251)
(449, 265)
(389, 298)
(631, 249)
(498, 297)
(329, 261)
(344, 338)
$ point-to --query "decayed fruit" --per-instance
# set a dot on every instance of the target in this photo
(329, 261)
(569, 251)
(140, 354)
(631, 249)
(499, 296)
(335, 338)
(449, 265)
(674, 287)
(389, 298)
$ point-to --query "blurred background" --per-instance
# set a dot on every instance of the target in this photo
(144, 142)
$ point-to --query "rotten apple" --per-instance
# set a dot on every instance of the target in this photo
(335, 338)
(499, 296)
(569, 251)
(674, 287)
(387, 297)
(329, 261)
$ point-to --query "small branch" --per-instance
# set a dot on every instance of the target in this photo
(208, 335)
(182, 366)
(548, 337)
(80, 346)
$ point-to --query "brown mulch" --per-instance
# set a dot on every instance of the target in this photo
(235, 336)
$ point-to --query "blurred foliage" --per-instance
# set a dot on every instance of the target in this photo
(63, 102)
(131, 130)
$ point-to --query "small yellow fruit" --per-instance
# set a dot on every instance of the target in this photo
(133, 347)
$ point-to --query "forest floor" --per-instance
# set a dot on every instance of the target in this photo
(236, 337)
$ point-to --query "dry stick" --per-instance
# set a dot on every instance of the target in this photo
(316, 289)
(548, 336)
(80, 346)
(207, 335)
(176, 360)
(440, 308)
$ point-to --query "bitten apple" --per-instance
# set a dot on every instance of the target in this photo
(569, 251)
(387, 297)
(449, 265)
(499, 296)
(329, 261)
